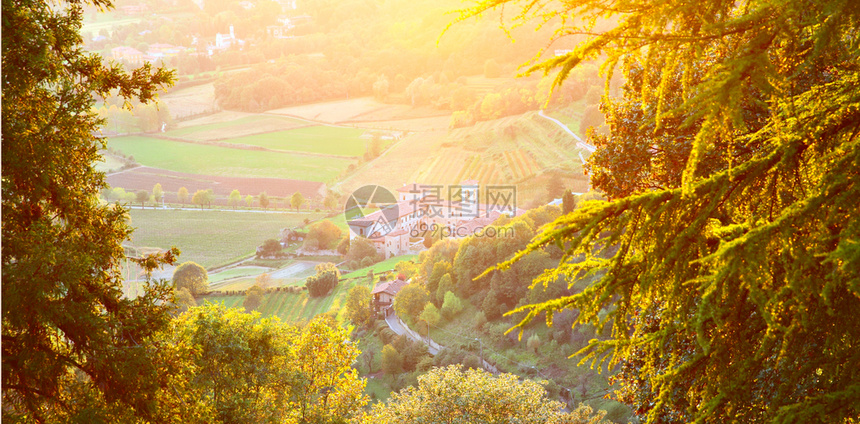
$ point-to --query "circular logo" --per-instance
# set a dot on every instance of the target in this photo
(371, 211)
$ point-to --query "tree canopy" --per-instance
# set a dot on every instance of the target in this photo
(727, 259)
(229, 366)
(451, 395)
(71, 340)
(191, 276)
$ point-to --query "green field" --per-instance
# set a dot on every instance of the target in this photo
(215, 160)
(378, 267)
(210, 238)
(226, 125)
(295, 307)
(319, 139)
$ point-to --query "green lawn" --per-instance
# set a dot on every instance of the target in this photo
(210, 238)
(378, 267)
(215, 160)
(319, 139)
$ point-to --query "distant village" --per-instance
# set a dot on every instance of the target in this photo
(420, 208)
(208, 46)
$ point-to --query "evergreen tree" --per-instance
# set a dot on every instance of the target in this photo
(73, 345)
(727, 258)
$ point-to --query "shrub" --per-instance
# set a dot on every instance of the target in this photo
(452, 306)
(324, 281)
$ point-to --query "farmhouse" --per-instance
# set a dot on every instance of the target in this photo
(384, 293)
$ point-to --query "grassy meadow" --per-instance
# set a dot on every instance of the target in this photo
(210, 238)
(238, 127)
(224, 161)
(335, 141)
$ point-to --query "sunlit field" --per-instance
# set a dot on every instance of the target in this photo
(224, 161)
(209, 238)
(333, 141)
(243, 126)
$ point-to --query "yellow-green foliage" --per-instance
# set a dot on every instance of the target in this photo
(453, 396)
(732, 291)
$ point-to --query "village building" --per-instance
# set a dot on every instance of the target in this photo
(395, 229)
(384, 293)
(224, 42)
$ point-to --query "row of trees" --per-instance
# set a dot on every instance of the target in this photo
(204, 197)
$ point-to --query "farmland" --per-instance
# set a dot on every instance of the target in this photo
(144, 178)
(334, 141)
(293, 307)
(224, 161)
(356, 111)
(510, 150)
(210, 238)
(190, 100)
(240, 127)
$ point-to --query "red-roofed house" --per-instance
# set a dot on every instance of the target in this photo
(384, 293)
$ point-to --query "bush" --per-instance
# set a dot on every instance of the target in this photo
(361, 248)
(311, 244)
(366, 262)
(387, 335)
(324, 281)
(452, 306)
(392, 361)
(271, 248)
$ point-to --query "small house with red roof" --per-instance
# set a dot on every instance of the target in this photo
(384, 293)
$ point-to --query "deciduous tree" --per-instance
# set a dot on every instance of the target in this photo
(235, 198)
(142, 196)
(192, 277)
(452, 305)
(410, 301)
(430, 314)
(157, 192)
(453, 396)
(325, 233)
(253, 298)
(202, 197)
(229, 366)
(297, 200)
(264, 200)
(358, 307)
(324, 281)
(392, 360)
(182, 195)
